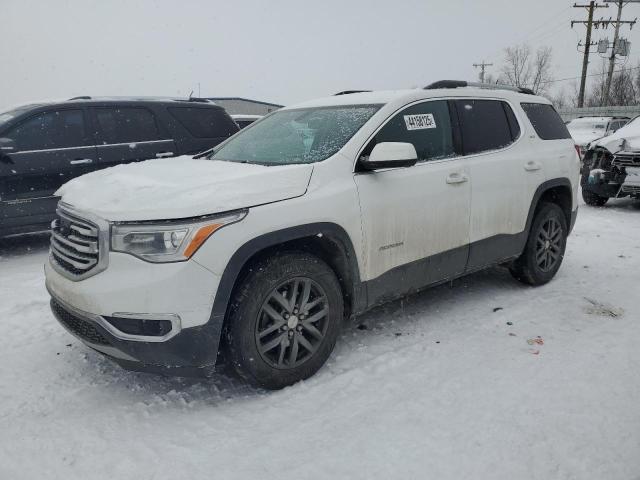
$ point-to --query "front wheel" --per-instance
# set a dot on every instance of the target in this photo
(284, 320)
(544, 250)
(593, 199)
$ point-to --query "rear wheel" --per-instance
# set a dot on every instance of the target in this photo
(593, 199)
(284, 320)
(545, 247)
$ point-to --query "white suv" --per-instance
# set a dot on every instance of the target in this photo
(257, 251)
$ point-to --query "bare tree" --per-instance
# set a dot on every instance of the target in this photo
(625, 88)
(521, 68)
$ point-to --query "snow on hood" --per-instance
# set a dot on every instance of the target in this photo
(182, 187)
(626, 138)
(583, 138)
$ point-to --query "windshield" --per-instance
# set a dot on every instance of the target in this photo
(8, 115)
(305, 135)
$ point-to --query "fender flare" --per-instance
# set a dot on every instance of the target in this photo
(540, 191)
(242, 255)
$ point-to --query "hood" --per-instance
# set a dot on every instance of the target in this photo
(182, 187)
(584, 137)
(626, 138)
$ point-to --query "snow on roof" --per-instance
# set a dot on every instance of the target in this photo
(589, 120)
(405, 96)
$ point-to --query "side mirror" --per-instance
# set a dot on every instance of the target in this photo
(390, 155)
(7, 146)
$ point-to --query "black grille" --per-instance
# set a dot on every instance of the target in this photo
(77, 325)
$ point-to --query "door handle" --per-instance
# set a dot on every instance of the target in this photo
(456, 177)
(532, 166)
(81, 161)
(164, 154)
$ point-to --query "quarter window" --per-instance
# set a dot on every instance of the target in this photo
(426, 125)
(546, 121)
(205, 122)
(485, 125)
(50, 130)
(124, 125)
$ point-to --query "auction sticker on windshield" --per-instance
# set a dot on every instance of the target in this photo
(420, 121)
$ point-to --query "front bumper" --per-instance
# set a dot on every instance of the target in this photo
(192, 352)
(132, 287)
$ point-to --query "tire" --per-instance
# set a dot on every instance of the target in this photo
(272, 339)
(545, 247)
(593, 199)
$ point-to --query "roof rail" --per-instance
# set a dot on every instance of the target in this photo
(489, 86)
(349, 92)
(83, 97)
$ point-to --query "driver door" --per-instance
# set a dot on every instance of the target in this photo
(415, 219)
(49, 149)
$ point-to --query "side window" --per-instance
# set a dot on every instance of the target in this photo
(426, 125)
(125, 124)
(50, 130)
(546, 121)
(485, 125)
(204, 122)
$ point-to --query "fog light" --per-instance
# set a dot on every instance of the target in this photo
(141, 327)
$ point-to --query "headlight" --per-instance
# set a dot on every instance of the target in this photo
(169, 241)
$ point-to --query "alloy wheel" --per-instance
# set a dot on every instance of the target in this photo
(292, 323)
(549, 244)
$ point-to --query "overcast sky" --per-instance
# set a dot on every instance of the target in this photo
(281, 51)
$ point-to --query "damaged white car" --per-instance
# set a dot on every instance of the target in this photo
(611, 166)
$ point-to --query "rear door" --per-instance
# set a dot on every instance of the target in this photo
(51, 148)
(125, 134)
(499, 204)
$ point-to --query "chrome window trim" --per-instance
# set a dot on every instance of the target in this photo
(132, 143)
(176, 323)
(89, 146)
(104, 231)
(18, 152)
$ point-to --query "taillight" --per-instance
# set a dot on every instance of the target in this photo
(579, 151)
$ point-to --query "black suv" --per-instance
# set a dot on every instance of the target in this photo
(42, 146)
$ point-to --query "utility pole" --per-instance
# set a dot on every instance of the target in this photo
(585, 61)
(482, 69)
(612, 58)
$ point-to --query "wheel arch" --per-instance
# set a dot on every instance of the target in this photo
(329, 241)
(558, 191)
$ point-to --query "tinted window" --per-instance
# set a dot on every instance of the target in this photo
(244, 123)
(546, 121)
(124, 125)
(513, 122)
(484, 125)
(205, 122)
(60, 129)
(426, 125)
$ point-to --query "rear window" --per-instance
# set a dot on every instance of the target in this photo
(546, 121)
(485, 125)
(205, 122)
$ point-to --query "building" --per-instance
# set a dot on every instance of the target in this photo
(244, 106)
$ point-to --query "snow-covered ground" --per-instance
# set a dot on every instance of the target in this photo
(485, 379)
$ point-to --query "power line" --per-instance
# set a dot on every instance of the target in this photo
(555, 80)
(587, 45)
(612, 59)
